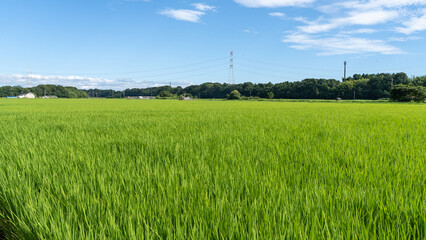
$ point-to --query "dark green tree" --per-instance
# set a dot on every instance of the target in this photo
(404, 93)
(234, 95)
(165, 94)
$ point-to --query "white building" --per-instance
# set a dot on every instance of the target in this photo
(49, 96)
(146, 97)
(26, 95)
(141, 97)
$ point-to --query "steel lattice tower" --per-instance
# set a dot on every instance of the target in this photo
(231, 79)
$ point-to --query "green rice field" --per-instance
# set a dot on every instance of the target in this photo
(165, 169)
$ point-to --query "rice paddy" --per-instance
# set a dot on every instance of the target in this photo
(120, 169)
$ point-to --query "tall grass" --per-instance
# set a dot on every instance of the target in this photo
(118, 169)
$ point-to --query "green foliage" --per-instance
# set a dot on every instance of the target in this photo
(270, 95)
(73, 92)
(403, 93)
(95, 169)
(234, 95)
(419, 81)
(251, 98)
(185, 95)
(360, 86)
(153, 91)
(165, 94)
(43, 90)
(12, 91)
(100, 93)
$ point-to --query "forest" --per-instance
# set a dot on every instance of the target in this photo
(365, 86)
(44, 90)
(358, 86)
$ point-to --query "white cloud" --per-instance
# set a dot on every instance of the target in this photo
(369, 17)
(119, 2)
(277, 14)
(377, 11)
(302, 20)
(251, 30)
(187, 14)
(273, 3)
(82, 82)
(204, 7)
(183, 14)
(372, 4)
(337, 31)
(340, 45)
(354, 18)
(415, 24)
(403, 39)
(318, 27)
(369, 5)
(359, 31)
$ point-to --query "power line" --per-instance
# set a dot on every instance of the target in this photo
(270, 69)
(399, 69)
(176, 73)
(141, 71)
(167, 80)
(284, 65)
(269, 75)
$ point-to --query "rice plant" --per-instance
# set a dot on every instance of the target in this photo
(120, 169)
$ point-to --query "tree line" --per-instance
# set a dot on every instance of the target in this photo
(358, 86)
(365, 86)
(44, 90)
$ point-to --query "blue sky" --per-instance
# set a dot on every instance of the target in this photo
(122, 44)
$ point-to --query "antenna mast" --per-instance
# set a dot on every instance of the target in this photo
(344, 76)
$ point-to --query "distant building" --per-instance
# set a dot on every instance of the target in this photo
(49, 97)
(26, 95)
(11, 97)
(185, 97)
(141, 97)
(146, 97)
